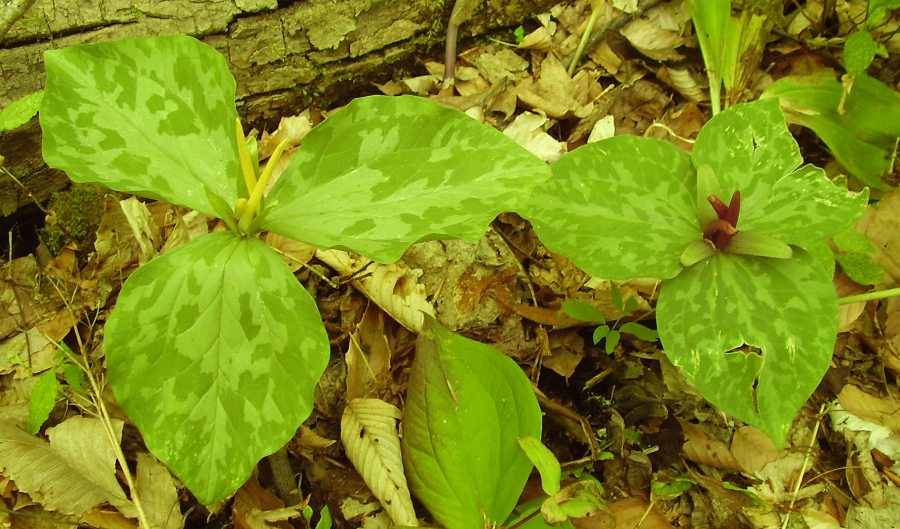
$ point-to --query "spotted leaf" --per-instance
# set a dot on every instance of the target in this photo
(619, 208)
(749, 148)
(786, 308)
(385, 172)
(153, 117)
(214, 349)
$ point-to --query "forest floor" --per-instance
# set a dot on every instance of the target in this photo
(626, 417)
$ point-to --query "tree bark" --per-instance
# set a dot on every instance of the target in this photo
(285, 56)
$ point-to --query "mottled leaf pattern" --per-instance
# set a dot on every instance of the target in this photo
(385, 172)
(750, 149)
(786, 307)
(619, 208)
(466, 407)
(153, 117)
(215, 349)
(628, 207)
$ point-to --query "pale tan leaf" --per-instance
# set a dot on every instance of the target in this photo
(651, 40)
(144, 229)
(393, 287)
(528, 131)
(370, 437)
(157, 491)
(72, 473)
(368, 356)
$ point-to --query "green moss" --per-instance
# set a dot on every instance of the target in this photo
(73, 218)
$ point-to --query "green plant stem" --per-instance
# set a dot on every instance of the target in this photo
(869, 296)
(244, 155)
(585, 37)
(252, 206)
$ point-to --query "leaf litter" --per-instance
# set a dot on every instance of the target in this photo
(642, 75)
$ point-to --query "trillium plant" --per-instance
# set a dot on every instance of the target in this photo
(746, 311)
(214, 348)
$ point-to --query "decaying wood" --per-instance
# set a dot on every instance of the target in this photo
(285, 57)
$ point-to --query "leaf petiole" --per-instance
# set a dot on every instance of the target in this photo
(251, 208)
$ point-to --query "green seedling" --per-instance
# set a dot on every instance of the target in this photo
(745, 311)
(861, 128)
(612, 333)
(467, 405)
(731, 46)
(214, 348)
(20, 111)
(576, 500)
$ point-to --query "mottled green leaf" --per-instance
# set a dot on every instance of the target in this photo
(385, 172)
(466, 407)
(750, 149)
(861, 133)
(619, 208)
(154, 117)
(20, 111)
(785, 307)
(214, 350)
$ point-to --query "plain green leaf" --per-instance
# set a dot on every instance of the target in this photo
(214, 350)
(750, 150)
(642, 332)
(863, 136)
(154, 117)
(851, 240)
(466, 407)
(74, 377)
(582, 311)
(385, 172)
(20, 111)
(43, 399)
(860, 267)
(619, 208)
(544, 461)
(612, 340)
(878, 9)
(667, 491)
(600, 333)
(785, 307)
(859, 51)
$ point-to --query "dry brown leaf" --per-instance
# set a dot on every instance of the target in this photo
(700, 447)
(34, 350)
(554, 91)
(889, 350)
(72, 473)
(753, 449)
(539, 40)
(294, 253)
(256, 508)
(881, 224)
(390, 286)
(528, 131)
(653, 41)
(291, 129)
(372, 443)
(884, 411)
(627, 512)
(158, 493)
(566, 352)
(368, 356)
